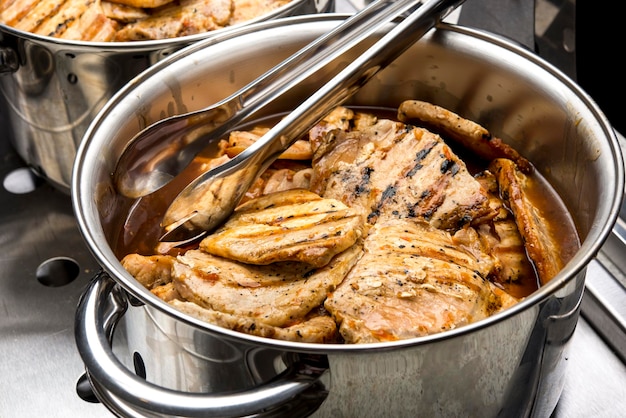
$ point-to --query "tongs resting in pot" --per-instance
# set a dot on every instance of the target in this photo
(210, 199)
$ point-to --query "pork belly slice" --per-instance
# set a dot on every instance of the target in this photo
(180, 18)
(539, 241)
(399, 170)
(280, 294)
(314, 329)
(413, 280)
(291, 225)
(464, 131)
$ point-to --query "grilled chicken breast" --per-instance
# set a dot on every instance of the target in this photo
(412, 280)
(404, 171)
(293, 225)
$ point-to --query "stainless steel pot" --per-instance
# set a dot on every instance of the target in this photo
(511, 364)
(51, 89)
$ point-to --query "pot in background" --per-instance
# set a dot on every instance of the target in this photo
(51, 89)
(510, 364)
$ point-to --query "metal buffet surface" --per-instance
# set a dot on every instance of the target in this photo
(44, 267)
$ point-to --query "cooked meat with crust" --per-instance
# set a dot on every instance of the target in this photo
(468, 133)
(279, 294)
(151, 271)
(239, 141)
(293, 225)
(392, 168)
(384, 236)
(67, 19)
(122, 13)
(412, 280)
(539, 241)
(502, 238)
(316, 329)
(245, 10)
(149, 4)
(181, 18)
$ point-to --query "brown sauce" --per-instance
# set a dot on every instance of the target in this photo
(141, 227)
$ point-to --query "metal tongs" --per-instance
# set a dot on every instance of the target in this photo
(208, 200)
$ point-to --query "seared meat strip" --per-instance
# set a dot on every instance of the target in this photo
(122, 13)
(412, 280)
(293, 225)
(279, 294)
(316, 329)
(392, 168)
(502, 238)
(466, 132)
(540, 245)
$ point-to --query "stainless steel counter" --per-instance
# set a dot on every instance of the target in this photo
(44, 267)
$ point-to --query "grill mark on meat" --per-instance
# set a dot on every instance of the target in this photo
(409, 172)
(412, 280)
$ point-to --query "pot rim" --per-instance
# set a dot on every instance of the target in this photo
(155, 43)
(577, 265)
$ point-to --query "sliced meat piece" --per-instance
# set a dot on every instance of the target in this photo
(316, 329)
(288, 179)
(166, 292)
(151, 271)
(466, 132)
(502, 238)
(186, 17)
(239, 141)
(338, 118)
(413, 280)
(292, 225)
(245, 10)
(401, 170)
(149, 4)
(539, 241)
(11, 12)
(279, 294)
(93, 25)
(27, 15)
(122, 13)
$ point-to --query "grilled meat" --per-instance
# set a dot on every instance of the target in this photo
(67, 19)
(279, 294)
(180, 18)
(293, 225)
(312, 329)
(412, 280)
(468, 133)
(539, 240)
(404, 171)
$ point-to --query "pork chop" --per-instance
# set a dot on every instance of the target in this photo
(292, 225)
(413, 280)
(392, 168)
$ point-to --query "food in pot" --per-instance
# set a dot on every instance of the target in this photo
(372, 229)
(129, 20)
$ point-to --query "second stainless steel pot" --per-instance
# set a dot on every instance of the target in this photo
(511, 364)
(51, 89)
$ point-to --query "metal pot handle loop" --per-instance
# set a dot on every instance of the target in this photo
(9, 62)
(99, 310)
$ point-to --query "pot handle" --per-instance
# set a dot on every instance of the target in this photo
(100, 308)
(9, 62)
